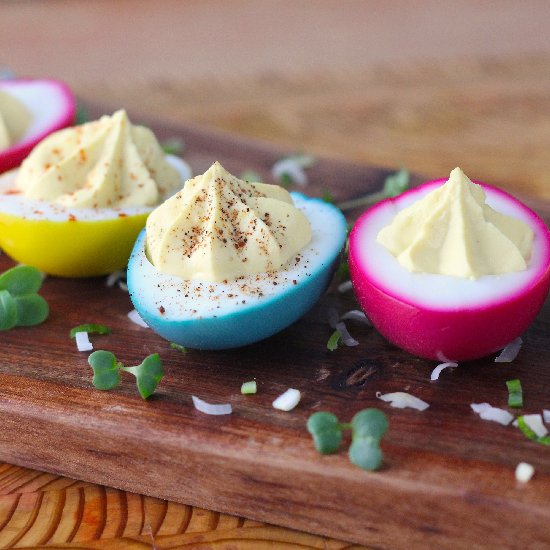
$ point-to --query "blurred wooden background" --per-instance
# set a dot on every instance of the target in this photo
(427, 84)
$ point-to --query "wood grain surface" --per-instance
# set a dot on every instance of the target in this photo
(444, 468)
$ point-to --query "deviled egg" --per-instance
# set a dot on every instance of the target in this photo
(77, 203)
(451, 270)
(224, 262)
(29, 111)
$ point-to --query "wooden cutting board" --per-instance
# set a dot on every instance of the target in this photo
(448, 477)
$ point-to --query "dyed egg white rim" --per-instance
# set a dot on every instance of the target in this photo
(183, 300)
(445, 292)
(35, 94)
(31, 209)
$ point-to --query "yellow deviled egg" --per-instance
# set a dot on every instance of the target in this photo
(77, 203)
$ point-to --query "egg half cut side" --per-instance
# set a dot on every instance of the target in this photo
(206, 315)
(442, 317)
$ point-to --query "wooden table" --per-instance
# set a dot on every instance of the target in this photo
(428, 87)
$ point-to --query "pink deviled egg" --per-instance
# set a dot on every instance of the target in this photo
(29, 111)
(442, 316)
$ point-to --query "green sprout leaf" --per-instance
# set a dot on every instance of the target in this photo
(334, 340)
(365, 453)
(20, 305)
(515, 393)
(396, 183)
(21, 280)
(148, 374)
(32, 310)
(326, 431)
(106, 369)
(327, 196)
(8, 310)
(90, 328)
(369, 423)
(367, 426)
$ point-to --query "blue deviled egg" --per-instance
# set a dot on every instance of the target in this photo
(225, 263)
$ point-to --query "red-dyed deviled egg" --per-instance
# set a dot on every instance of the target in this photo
(462, 273)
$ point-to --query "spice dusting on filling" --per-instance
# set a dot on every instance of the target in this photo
(104, 163)
(220, 228)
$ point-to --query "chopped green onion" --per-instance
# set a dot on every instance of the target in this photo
(334, 340)
(90, 328)
(173, 146)
(179, 347)
(515, 393)
(530, 434)
(249, 388)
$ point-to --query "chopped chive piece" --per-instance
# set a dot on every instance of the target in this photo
(179, 347)
(90, 328)
(334, 340)
(20, 305)
(530, 434)
(173, 146)
(515, 393)
(248, 388)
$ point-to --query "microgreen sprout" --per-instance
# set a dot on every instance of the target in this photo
(291, 170)
(249, 388)
(327, 196)
(394, 185)
(515, 393)
(107, 372)
(367, 427)
(178, 347)
(334, 340)
(20, 304)
(90, 328)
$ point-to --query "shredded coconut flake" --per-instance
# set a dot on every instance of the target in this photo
(288, 400)
(442, 366)
(524, 472)
(510, 352)
(347, 338)
(356, 315)
(402, 400)
(534, 422)
(346, 286)
(114, 277)
(209, 408)
(546, 415)
(485, 411)
(135, 317)
(83, 342)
